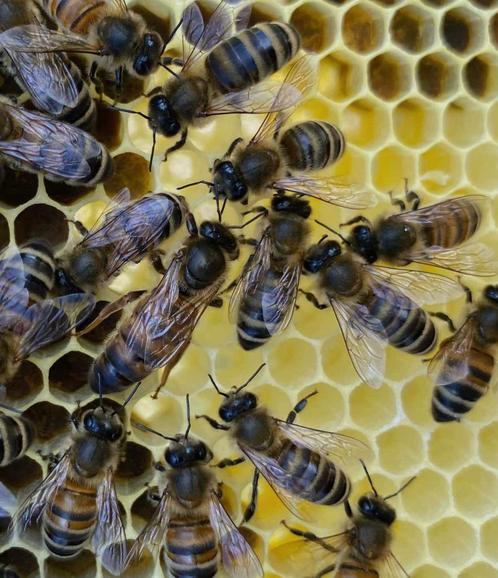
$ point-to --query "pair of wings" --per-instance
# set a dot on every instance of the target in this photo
(109, 539)
(364, 335)
(237, 556)
(49, 146)
(469, 258)
(41, 323)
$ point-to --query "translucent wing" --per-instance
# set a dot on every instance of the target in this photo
(278, 304)
(50, 320)
(469, 259)
(13, 296)
(329, 190)
(109, 530)
(237, 556)
(33, 507)
(392, 568)
(120, 6)
(445, 212)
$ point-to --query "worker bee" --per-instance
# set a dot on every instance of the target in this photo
(127, 231)
(376, 306)
(16, 435)
(54, 83)
(191, 523)
(296, 461)
(363, 550)
(25, 328)
(464, 366)
(159, 329)
(437, 235)
(34, 142)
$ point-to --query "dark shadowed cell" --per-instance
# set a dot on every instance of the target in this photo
(109, 130)
(83, 566)
(69, 373)
(20, 474)
(21, 561)
(137, 460)
(17, 187)
(27, 382)
(49, 420)
(41, 222)
(100, 333)
(132, 171)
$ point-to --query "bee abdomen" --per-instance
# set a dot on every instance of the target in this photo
(84, 114)
(312, 145)
(16, 435)
(191, 549)
(39, 269)
(455, 228)
(76, 15)
(249, 57)
(451, 401)
(100, 165)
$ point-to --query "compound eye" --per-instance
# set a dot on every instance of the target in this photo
(90, 423)
(116, 433)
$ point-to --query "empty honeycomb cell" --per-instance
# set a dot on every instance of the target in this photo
(163, 414)
(480, 76)
(462, 30)
(100, 333)
(389, 76)
(464, 122)
(372, 408)
(428, 571)
(489, 539)
(20, 474)
(310, 322)
(26, 383)
(230, 359)
(437, 75)
(136, 463)
(365, 123)
(315, 23)
(482, 166)
(21, 561)
(50, 420)
(336, 365)
(264, 12)
(292, 362)
(325, 410)
(109, 129)
(132, 171)
(316, 108)
(41, 222)
(401, 449)
(412, 28)
(440, 168)
(488, 444)
(83, 566)
(4, 232)
(340, 76)
(408, 544)
(480, 569)
(493, 30)
(475, 491)
(69, 373)
(391, 166)
(416, 396)
(415, 122)
(65, 194)
(190, 373)
(17, 187)
(363, 28)
(352, 167)
(451, 446)
(452, 541)
(428, 497)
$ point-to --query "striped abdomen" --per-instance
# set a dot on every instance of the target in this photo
(16, 435)
(78, 16)
(39, 269)
(252, 55)
(312, 145)
(100, 164)
(451, 401)
(191, 548)
(84, 113)
(406, 325)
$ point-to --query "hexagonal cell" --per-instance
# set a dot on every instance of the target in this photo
(70, 372)
(391, 166)
(132, 171)
(489, 539)
(26, 384)
(20, 474)
(230, 359)
(475, 491)
(462, 30)
(416, 395)
(482, 166)
(389, 75)
(401, 449)
(372, 408)
(143, 507)
(428, 571)
(100, 333)
(49, 420)
(440, 168)
(21, 561)
(415, 122)
(342, 371)
(4, 233)
(326, 411)
(83, 566)
(428, 498)
(365, 123)
(488, 444)
(109, 130)
(142, 568)
(437, 75)
(315, 23)
(137, 460)
(493, 30)
(363, 28)
(41, 222)
(480, 76)
(412, 28)
(464, 122)
(264, 12)
(480, 569)
(17, 187)
(340, 76)
(452, 542)
(451, 446)
(352, 168)
(303, 364)
(190, 373)
(66, 194)
(409, 543)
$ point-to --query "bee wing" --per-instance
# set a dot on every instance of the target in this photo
(237, 556)
(422, 287)
(153, 536)
(34, 505)
(469, 259)
(119, 6)
(365, 341)
(392, 568)
(256, 267)
(278, 304)
(13, 295)
(109, 538)
(446, 210)
(327, 189)
(50, 320)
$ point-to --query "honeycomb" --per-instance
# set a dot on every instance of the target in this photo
(413, 85)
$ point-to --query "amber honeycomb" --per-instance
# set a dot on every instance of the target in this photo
(413, 85)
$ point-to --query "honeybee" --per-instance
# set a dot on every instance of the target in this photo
(191, 523)
(127, 231)
(77, 500)
(464, 367)
(159, 329)
(376, 306)
(16, 435)
(25, 328)
(437, 235)
(34, 142)
(296, 461)
(363, 550)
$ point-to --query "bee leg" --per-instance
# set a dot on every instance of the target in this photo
(97, 82)
(157, 263)
(348, 509)
(354, 220)
(233, 146)
(191, 225)
(445, 318)
(397, 202)
(167, 60)
(468, 292)
(219, 490)
(228, 463)
(82, 230)
(119, 82)
(247, 241)
(251, 508)
(313, 300)
(217, 302)
(298, 408)
(213, 423)
(310, 537)
(412, 197)
(152, 92)
(159, 467)
(178, 145)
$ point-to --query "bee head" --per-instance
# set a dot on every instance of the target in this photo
(222, 236)
(376, 508)
(394, 236)
(237, 404)
(228, 181)
(187, 451)
(86, 266)
(364, 242)
(491, 293)
(148, 54)
(103, 424)
(162, 118)
(321, 255)
(294, 205)
(117, 34)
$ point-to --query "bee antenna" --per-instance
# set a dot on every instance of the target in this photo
(128, 399)
(403, 487)
(218, 390)
(209, 184)
(220, 212)
(129, 111)
(145, 428)
(189, 423)
(240, 388)
(7, 407)
(370, 481)
(172, 72)
(341, 237)
(172, 34)
(153, 149)
(101, 397)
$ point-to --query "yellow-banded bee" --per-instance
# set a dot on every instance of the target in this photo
(376, 306)
(363, 550)
(25, 328)
(16, 435)
(126, 232)
(464, 367)
(159, 329)
(437, 235)
(34, 142)
(296, 461)
(197, 533)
